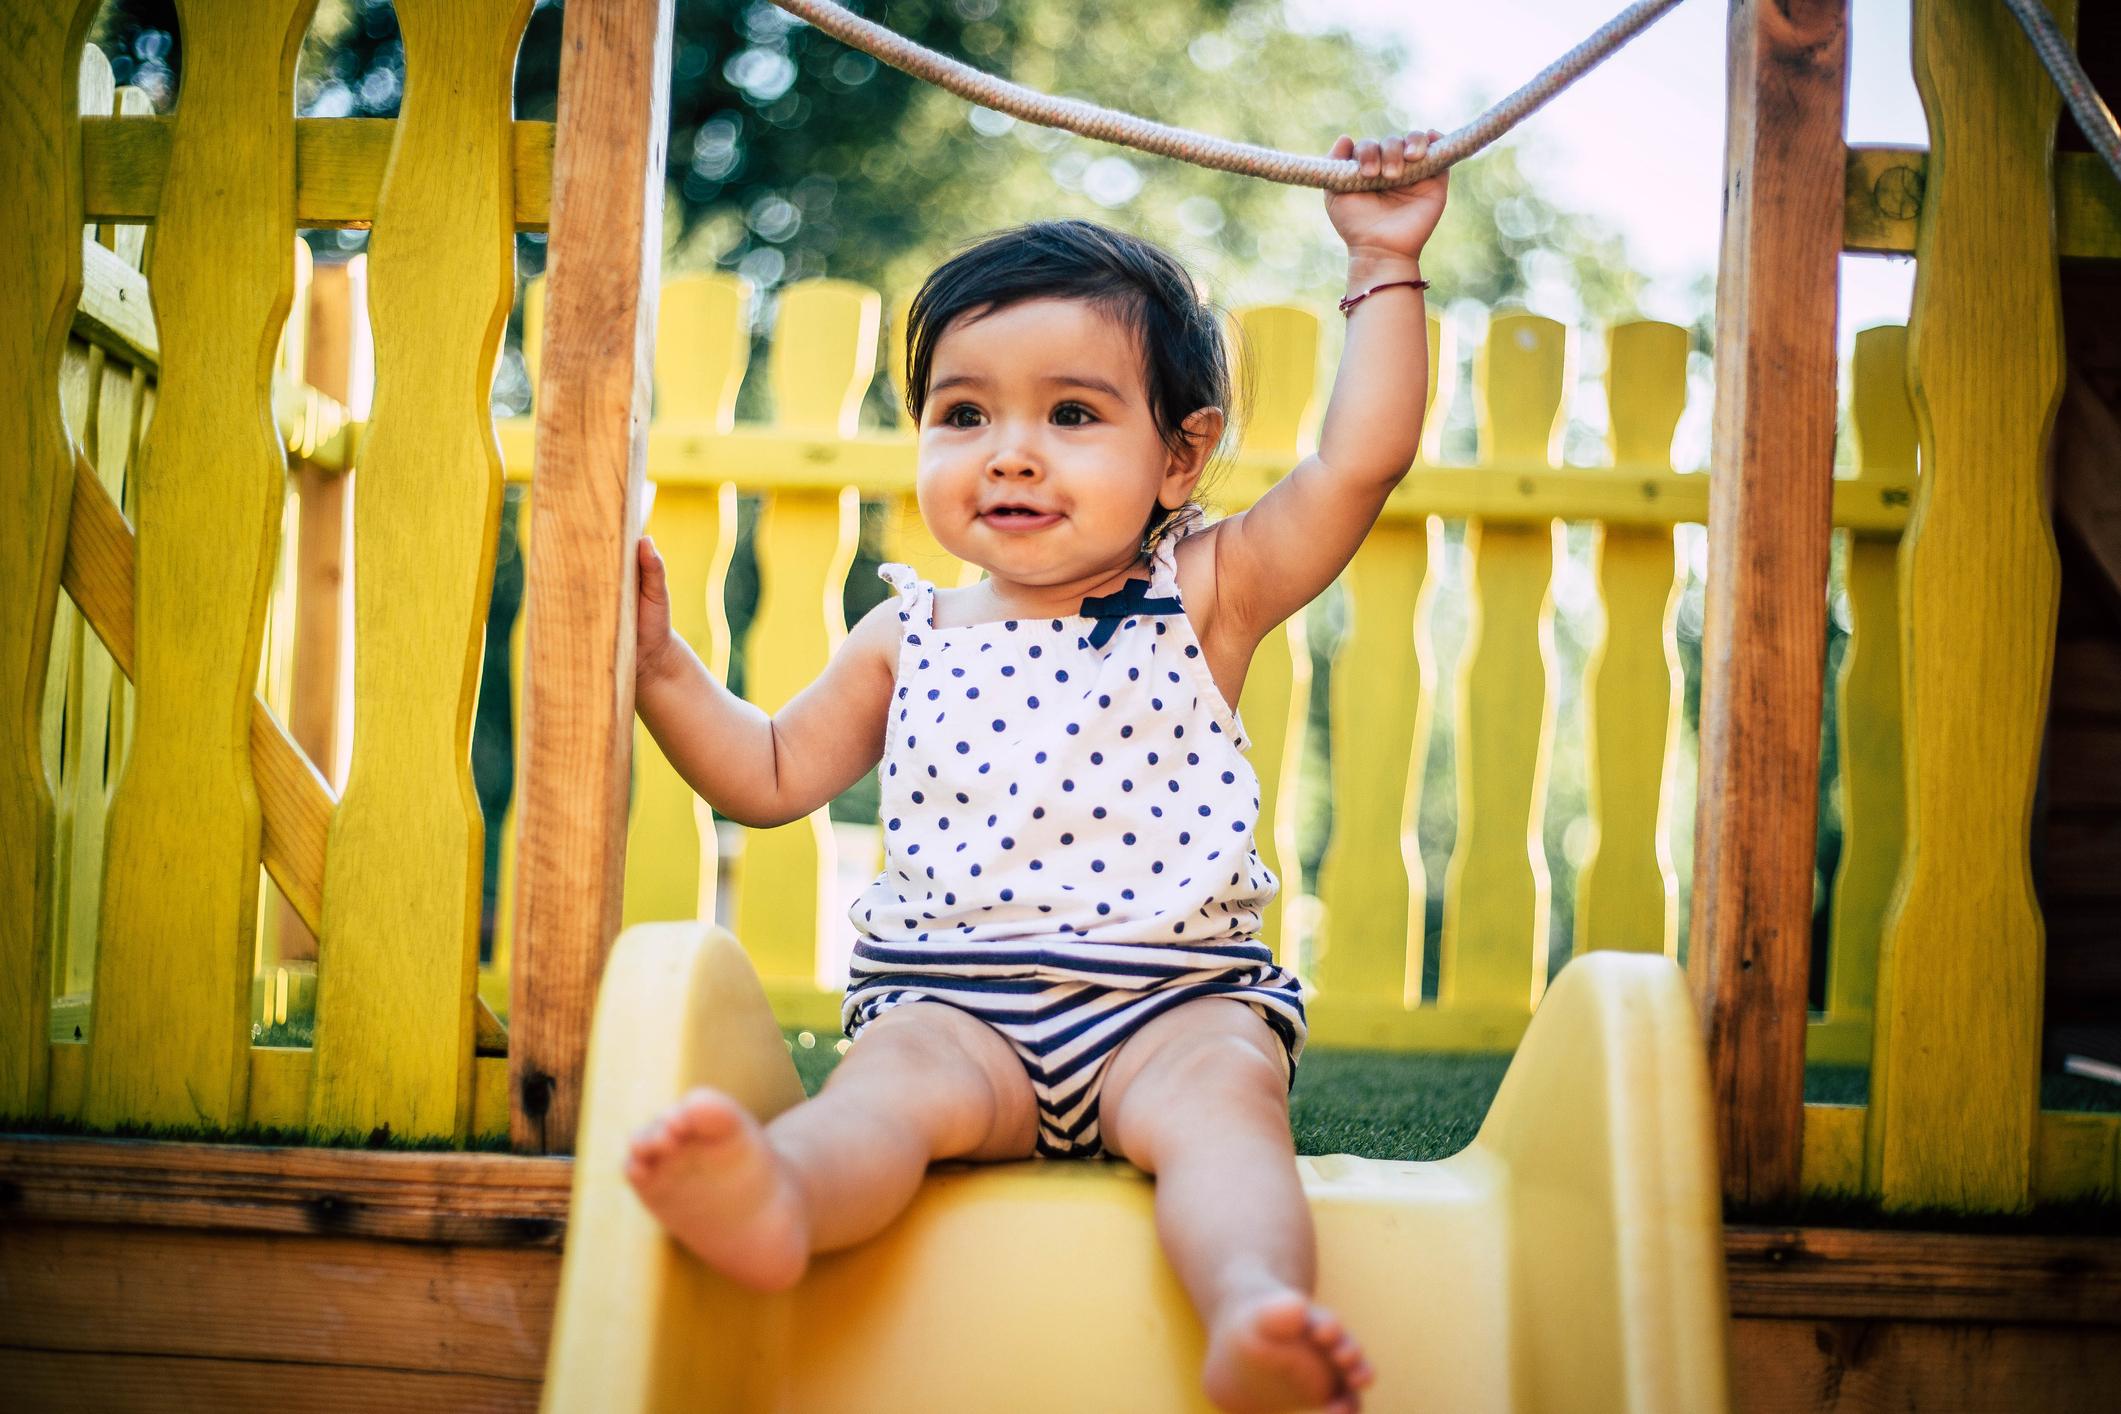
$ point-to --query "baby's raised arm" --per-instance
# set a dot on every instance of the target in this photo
(1277, 556)
(756, 769)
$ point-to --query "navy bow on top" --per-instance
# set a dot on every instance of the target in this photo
(1132, 598)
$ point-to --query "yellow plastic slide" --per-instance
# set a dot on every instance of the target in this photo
(1570, 1259)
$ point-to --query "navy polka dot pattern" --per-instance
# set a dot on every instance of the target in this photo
(1120, 804)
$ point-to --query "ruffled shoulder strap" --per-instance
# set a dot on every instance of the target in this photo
(1163, 555)
(916, 596)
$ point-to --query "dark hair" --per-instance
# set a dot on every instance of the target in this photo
(1186, 366)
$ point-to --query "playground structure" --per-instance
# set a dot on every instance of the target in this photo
(388, 869)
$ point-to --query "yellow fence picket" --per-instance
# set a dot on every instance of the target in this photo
(171, 1043)
(1277, 363)
(702, 347)
(397, 961)
(1955, 1069)
(1627, 895)
(824, 355)
(1371, 881)
(1873, 791)
(1495, 893)
(40, 169)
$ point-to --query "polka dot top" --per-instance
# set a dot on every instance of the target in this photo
(1069, 778)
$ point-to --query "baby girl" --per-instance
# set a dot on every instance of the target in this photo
(1061, 956)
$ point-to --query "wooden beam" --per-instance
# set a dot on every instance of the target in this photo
(593, 402)
(1884, 188)
(385, 1194)
(1770, 527)
(1931, 1276)
(339, 166)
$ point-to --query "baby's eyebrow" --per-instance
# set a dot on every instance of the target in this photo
(1063, 380)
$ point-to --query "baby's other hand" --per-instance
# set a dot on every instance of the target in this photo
(651, 618)
(1396, 220)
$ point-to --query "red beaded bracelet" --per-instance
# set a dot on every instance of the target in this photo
(1352, 300)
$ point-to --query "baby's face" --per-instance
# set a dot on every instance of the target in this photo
(1043, 406)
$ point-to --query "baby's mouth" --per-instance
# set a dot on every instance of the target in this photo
(1018, 518)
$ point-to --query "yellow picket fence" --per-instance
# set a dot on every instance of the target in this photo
(813, 465)
(155, 781)
(161, 799)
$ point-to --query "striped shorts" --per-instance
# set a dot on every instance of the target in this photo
(1067, 1006)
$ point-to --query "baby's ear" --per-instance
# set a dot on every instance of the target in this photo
(1203, 428)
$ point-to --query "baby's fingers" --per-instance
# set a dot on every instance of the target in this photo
(653, 584)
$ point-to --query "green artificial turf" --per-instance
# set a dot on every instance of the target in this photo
(1393, 1105)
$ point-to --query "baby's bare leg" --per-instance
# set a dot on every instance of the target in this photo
(924, 1082)
(1198, 1097)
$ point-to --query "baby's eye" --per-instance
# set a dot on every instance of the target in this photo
(949, 418)
(1088, 415)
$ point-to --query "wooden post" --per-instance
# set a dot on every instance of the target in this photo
(1770, 526)
(593, 400)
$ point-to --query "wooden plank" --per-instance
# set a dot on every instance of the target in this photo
(40, 226)
(171, 1041)
(593, 402)
(1495, 917)
(92, 1383)
(339, 169)
(112, 1291)
(1954, 1079)
(478, 1199)
(1873, 791)
(1627, 893)
(115, 313)
(1769, 537)
(821, 363)
(1884, 187)
(1853, 1273)
(1277, 350)
(399, 953)
(1854, 1367)
(703, 344)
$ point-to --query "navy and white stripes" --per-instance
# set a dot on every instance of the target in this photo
(1067, 1005)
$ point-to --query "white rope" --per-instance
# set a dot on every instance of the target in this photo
(1089, 120)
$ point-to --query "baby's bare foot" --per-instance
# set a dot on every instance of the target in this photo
(1281, 1351)
(704, 1169)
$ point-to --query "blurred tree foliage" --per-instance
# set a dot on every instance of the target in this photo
(792, 155)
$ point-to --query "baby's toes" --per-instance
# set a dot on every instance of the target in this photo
(702, 1117)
